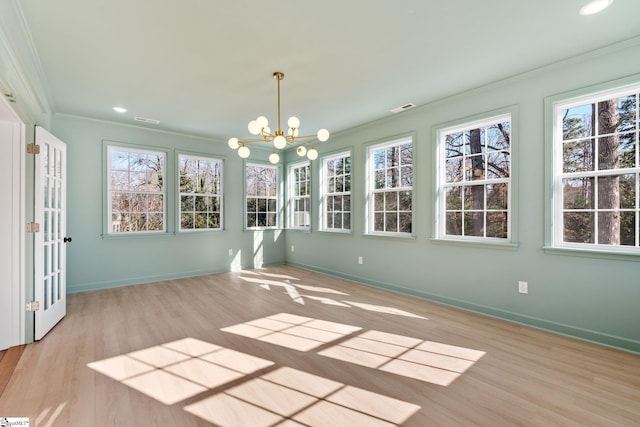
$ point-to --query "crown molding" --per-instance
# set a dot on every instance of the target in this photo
(20, 70)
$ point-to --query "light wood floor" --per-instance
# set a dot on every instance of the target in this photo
(284, 346)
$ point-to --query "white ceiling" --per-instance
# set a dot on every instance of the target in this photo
(204, 67)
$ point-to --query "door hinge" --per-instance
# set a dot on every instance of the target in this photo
(33, 149)
(33, 306)
(33, 227)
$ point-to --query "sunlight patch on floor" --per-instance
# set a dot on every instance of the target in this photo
(176, 371)
(266, 282)
(288, 396)
(172, 372)
(45, 419)
(427, 361)
(296, 332)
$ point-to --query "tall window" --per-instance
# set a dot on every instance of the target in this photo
(474, 182)
(597, 171)
(336, 192)
(137, 190)
(261, 187)
(200, 193)
(391, 187)
(299, 195)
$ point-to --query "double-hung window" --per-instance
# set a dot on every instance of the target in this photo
(596, 184)
(390, 183)
(300, 195)
(336, 192)
(137, 190)
(200, 182)
(474, 180)
(261, 195)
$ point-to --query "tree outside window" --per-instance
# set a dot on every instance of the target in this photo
(200, 193)
(336, 189)
(261, 188)
(597, 171)
(475, 180)
(137, 190)
(391, 187)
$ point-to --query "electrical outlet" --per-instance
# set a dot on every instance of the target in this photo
(523, 287)
(230, 252)
(360, 260)
(292, 248)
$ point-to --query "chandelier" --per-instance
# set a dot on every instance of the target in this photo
(260, 126)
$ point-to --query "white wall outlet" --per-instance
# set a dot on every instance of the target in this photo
(523, 287)
(230, 252)
(360, 260)
(292, 248)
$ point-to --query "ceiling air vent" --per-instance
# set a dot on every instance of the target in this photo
(403, 108)
(145, 120)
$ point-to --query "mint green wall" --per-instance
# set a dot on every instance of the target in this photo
(593, 298)
(94, 262)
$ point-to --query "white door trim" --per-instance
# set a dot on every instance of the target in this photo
(17, 154)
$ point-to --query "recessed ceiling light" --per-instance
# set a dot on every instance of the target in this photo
(595, 6)
(119, 109)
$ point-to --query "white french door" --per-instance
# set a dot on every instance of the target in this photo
(50, 213)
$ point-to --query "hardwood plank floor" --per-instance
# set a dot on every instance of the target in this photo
(288, 347)
(8, 361)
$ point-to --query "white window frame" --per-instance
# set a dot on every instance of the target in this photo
(554, 108)
(295, 197)
(218, 195)
(110, 191)
(275, 197)
(326, 194)
(441, 184)
(372, 191)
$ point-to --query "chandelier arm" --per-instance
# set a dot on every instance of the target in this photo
(251, 140)
(305, 136)
(267, 137)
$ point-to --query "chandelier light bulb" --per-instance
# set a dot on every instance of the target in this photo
(262, 121)
(293, 122)
(279, 142)
(274, 158)
(323, 135)
(312, 154)
(280, 138)
(244, 151)
(254, 127)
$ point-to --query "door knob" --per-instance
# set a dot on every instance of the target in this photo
(67, 239)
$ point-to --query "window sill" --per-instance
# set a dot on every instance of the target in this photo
(593, 253)
(337, 232)
(199, 232)
(397, 236)
(264, 229)
(152, 235)
(493, 244)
